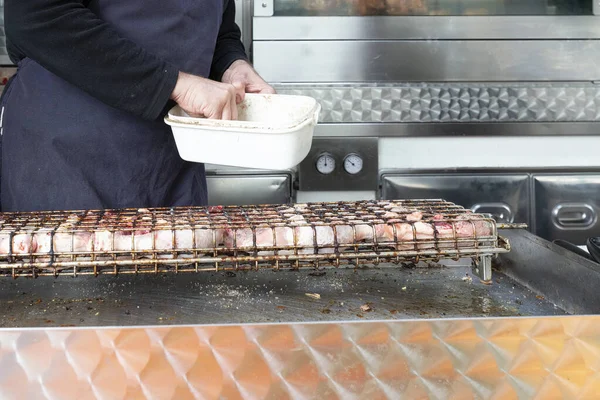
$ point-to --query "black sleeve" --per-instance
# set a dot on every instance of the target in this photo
(229, 45)
(70, 41)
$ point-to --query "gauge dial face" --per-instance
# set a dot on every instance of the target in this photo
(353, 164)
(325, 163)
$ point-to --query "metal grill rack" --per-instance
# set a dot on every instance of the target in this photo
(194, 239)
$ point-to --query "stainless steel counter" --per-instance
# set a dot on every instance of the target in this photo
(258, 335)
(265, 296)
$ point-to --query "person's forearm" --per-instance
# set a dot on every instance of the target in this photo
(70, 41)
(229, 46)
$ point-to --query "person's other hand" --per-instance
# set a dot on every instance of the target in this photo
(201, 97)
(246, 80)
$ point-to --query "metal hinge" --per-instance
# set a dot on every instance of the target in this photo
(263, 8)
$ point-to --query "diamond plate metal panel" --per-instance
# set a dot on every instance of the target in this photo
(454, 103)
(445, 359)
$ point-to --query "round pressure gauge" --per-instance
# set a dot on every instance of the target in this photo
(353, 163)
(325, 163)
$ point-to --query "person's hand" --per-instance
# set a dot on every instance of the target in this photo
(200, 97)
(246, 80)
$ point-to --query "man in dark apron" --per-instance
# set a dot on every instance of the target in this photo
(82, 120)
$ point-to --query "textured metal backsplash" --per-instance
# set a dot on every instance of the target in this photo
(448, 359)
(454, 102)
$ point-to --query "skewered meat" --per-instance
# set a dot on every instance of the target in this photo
(63, 242)
(299, 228)
(462, 225)
(302, 236)
(44, 242)
(179, 239)
(286, 237)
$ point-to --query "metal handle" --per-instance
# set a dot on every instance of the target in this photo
(501, 212)
(577, 218)
(574, 216)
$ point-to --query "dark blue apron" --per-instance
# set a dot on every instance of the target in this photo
(63, 149)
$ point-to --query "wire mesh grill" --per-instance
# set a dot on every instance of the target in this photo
(247, 237)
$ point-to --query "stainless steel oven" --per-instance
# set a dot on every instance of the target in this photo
(426, 40)
(425, 66)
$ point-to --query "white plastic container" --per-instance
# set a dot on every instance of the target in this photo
(271, 132)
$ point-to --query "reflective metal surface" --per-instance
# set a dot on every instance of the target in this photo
(429, 28)
(568, 280)
(453, 102)
(567, 206)
(263, 8)
(385, 61)
(505, 196)
(240, 189)
(492, 358)
(489, 129)
(4, 60)
(243, 18)
(430, 7)
(266, 297)
(206, 337)
(431, 291)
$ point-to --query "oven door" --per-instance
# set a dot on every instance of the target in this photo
(426, 40)
(505, 196)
